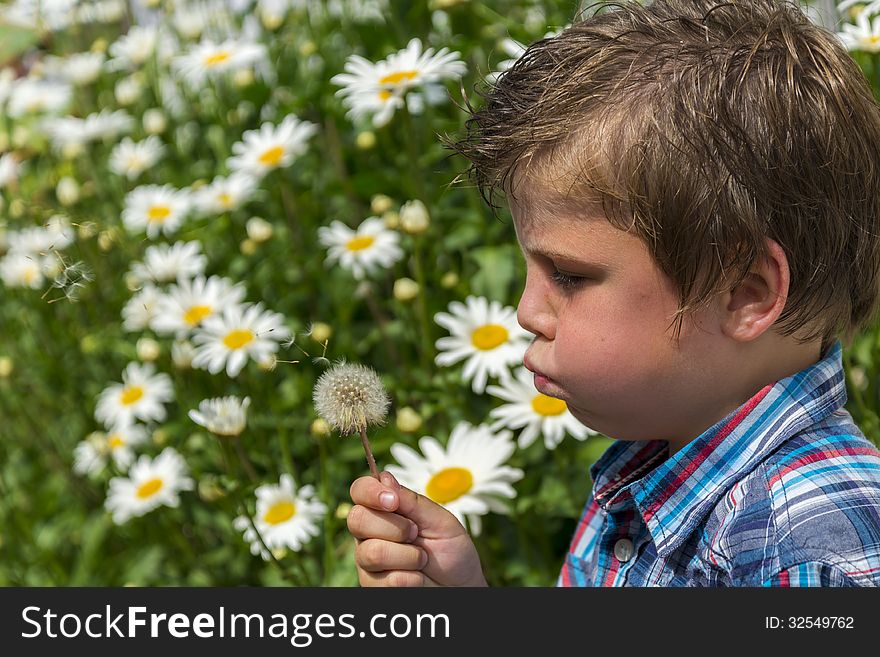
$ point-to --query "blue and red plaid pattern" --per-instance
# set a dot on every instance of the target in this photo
(784, 491)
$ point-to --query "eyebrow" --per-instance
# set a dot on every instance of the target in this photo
(559, 255)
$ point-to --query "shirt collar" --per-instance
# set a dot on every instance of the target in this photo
(677, 495)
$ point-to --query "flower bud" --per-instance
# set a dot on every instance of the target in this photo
(380, 204)
(16, 208)
(105, 243)
(408, 420)
(243, 77)
(320, 427)
(414, 217)
(342, 510)
(271, 21)
(128, 90)
(449, 280)
(248, 247)
(258, 229)
(87, 230)
(6, 367)
(89, 344)
(148, 350)
(365, 140)
(209, 490)
(67, 191)
(405, 289)
(99, 45)
(320, 332)
(160, 437)
(391, 219)
(182, 354)
(155, 121)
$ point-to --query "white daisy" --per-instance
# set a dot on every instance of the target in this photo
(534, 412)
(164, 263)
(361, 251)
(156, 209)
(863, 36)
(38, 97)
(209, 59)
(378, 89)
(141, 395)
(39, 240)
(189, 302)
(484, 333)
(21, 270)
(90, 455)
(83, 68)
(241, 332)
(286, 517)
(225, 193)
(223, 416)
(468, 477)
(131, 159)
(133, 48)
(271, 147)
(107, 124)
(9, 169)
(139, 311)
(150, 483)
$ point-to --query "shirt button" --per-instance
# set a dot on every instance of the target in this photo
(623, 549)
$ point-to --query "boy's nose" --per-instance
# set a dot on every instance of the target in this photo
(534, 313)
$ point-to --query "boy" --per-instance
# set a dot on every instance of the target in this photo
(694, 185)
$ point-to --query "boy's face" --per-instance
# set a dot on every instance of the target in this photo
(600, 309)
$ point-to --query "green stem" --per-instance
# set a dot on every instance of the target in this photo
(427, 351)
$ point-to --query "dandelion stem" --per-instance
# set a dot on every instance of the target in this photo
(369, 452)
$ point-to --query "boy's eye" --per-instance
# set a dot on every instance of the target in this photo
(567, 281)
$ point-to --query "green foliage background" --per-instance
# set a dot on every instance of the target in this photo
(53, 527)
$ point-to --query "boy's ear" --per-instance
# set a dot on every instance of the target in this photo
(752, 307)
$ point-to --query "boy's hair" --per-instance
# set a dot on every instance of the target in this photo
(703, 127)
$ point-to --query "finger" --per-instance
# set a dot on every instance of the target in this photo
(400, 578)
(364, 522)
(370, 492)
(375, 555)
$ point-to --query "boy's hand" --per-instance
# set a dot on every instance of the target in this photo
(405, 539)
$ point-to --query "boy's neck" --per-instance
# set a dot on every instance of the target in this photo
(767, 362)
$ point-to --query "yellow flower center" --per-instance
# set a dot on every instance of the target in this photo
(115, 441)
(398, 77)
(225, 199)
(272, 157)
(544, 405)
(360, 243)
(149, 488)
(238, 338)
(489, 336)
(29, 275)
(216, 58)
(158, 213)
(280, 512)
(385, 94)
(196, 314)
(449, 484)
(130, 395)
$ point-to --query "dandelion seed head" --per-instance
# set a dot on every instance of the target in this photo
(351, 397)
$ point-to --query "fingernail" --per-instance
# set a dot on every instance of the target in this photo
(413, 532)
(424, 560)
(386, 499)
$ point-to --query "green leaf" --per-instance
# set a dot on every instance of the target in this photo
(496, 271)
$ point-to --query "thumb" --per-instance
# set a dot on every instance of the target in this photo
(433, 520)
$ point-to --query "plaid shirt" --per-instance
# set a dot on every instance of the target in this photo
(784, 491)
